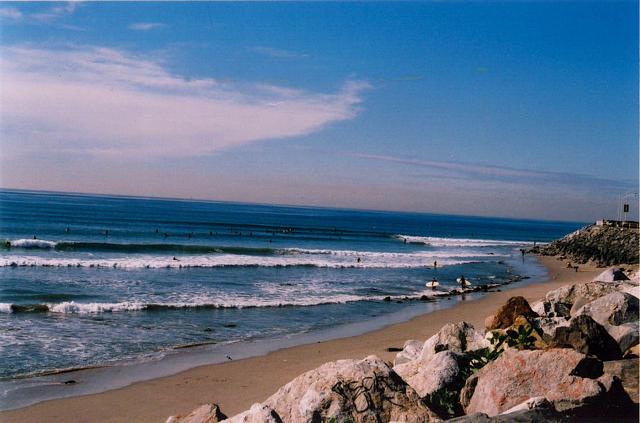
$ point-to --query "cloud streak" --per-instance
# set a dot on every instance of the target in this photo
(501, 174)
(107, 102)
(146, 26)
(277, 53)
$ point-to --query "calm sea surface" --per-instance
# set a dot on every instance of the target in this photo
(88, 280)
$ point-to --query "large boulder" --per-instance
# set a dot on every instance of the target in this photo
(207, 413)
(547, 326)
(506, 315)
(615, 308)
(561, 375)
(627, 335)
(587, 291)
(534, 415)
(551, 309)
(588, 337)
(258, 413)
(365, 390)
(410, 351)
(432, 375)
(457, 337)
(627, 371)
(611, 275)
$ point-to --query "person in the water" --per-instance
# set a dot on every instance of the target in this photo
(462, 280)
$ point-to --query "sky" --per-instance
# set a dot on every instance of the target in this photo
(510, 109)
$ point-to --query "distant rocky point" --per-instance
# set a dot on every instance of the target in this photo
(600, 244)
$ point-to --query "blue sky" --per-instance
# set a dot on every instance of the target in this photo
(517, 109)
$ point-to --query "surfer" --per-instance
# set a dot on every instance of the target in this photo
(358, 260)
(462, 281)
(175, 259)
(434, 283)
(435, 264)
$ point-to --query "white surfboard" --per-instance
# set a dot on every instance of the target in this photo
(432, 284)
(466, 281)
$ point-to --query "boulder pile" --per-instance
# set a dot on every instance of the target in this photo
(571, 357)
(600, 245)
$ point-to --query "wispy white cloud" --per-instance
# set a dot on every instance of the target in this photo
(56, 12)
(276, 52)
(11, 13)
(103, 101)
(146, 26)
(501, 174)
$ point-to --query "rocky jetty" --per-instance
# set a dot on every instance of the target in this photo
(600, 245)
(571, 357)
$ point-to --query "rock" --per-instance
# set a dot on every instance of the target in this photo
(602, 245)
(516, 376)
(365, 390)
(536, 415)
(538, 308)
(207, 413)
(505, 316)
(588, 337)
(578, 302)
(627, 336)
(457, 337)
(467, 390)
(618, 401)
(547, 326)
(627, 371)
(410, 351)
(258, 413)
(588, 292)
(531, 403)
(633, 352)
(428, 376)
(611, 275)
(612, 309)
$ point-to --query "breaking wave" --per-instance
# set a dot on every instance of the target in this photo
(72, 307)
(457, 242)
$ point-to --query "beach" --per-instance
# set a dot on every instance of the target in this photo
(237, 384)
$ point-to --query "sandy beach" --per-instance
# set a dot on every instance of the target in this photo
(236, 385)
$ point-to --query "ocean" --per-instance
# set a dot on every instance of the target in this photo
(89, 280)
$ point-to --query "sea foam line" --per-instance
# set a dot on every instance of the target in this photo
(458, 242)
(72, 307)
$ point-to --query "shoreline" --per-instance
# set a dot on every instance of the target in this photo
(237, 384)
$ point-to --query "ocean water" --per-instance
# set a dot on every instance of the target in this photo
(93, 280)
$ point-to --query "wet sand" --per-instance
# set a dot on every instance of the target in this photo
(235, 385)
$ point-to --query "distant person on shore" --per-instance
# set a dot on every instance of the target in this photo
(462, 280)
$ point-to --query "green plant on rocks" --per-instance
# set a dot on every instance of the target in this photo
(521, 338)
(487, 355)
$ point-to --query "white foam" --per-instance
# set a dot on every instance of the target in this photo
(316, 258)
(458, 242)
(33, 243)
(73, 307)
(5, 308)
